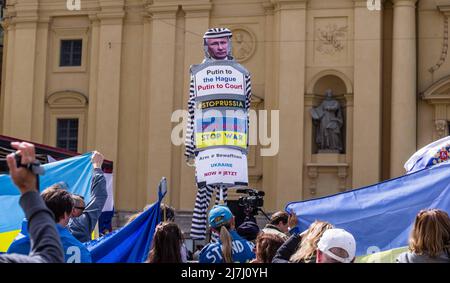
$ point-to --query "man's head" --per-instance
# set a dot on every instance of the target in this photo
(78, 205)
(217, 42)
(336, 246)
(60, 202)
(280, 219)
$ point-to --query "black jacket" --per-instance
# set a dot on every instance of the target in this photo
(286, 250)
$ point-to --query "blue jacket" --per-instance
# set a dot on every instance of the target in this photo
(242, 250)
(81, 227)
(74, 250)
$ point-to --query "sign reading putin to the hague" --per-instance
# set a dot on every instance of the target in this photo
(220, 123)
(216, 79)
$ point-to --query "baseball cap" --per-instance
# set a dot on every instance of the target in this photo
(219, 215)
(338, 238)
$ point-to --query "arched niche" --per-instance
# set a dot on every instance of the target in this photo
(342, 92)
(328, 173)
(329, 78)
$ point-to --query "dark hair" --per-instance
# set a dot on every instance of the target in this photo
(279, 216)
(166, 244)
(170, 212)
(267, 245)
(59, 201)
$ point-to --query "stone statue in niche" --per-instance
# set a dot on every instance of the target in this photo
(329, 121)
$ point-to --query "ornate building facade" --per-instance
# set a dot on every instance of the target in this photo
(109, 76)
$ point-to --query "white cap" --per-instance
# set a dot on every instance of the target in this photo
(338, 238)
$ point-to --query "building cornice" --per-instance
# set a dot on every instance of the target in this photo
(289, 4)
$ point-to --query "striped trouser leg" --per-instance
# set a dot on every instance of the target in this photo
(215, 235)
(198, 227)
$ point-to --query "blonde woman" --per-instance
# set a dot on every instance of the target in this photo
(302, 247)
(231, 247)
(307, 250)
(429, 241)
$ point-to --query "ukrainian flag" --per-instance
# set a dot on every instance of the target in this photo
(75, 171)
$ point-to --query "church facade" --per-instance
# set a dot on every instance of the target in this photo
(109, 74)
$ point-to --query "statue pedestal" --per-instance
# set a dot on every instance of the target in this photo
(329, 171)
(328, 151)
(326, 158)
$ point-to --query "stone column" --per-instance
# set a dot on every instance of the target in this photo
(290, 17)
(160, 102)
(108, 78)
(105, 79)
(6, 84)
(269, 102)
(21, 59)
(142, 137)
(40, 86)
(197, 22)
(130, 174)
(367, 95)
(93, 81)
(404, 93)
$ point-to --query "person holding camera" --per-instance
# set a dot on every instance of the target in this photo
(46, 245)
(71, 230)
(59, 201)
(231, 247)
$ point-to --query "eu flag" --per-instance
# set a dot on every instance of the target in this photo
(132, 242)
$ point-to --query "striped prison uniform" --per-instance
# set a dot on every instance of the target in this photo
(203, 198)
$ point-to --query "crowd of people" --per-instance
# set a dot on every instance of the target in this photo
(58, 223)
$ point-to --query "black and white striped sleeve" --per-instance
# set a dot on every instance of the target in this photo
(248, 101)
(189, 141)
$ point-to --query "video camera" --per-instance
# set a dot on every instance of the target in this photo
(252, 203)
(34, 167)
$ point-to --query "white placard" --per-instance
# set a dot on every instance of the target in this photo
(221, 166)
(220, 79)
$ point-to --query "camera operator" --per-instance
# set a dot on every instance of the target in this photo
(45, 242)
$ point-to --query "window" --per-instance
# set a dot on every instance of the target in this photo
(70, 54)
(67, 134)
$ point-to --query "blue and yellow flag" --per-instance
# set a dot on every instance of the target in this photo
(380, 216)
(76, 172)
